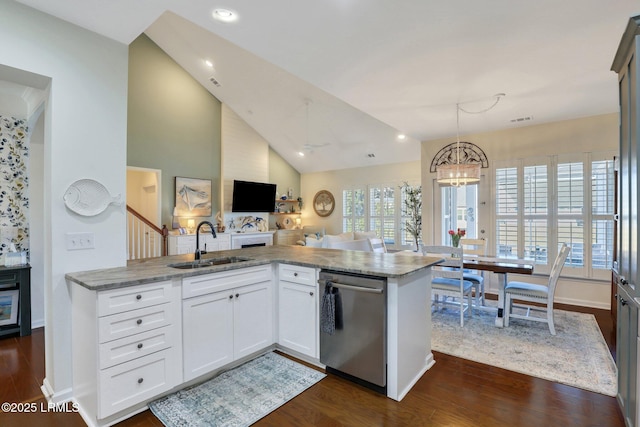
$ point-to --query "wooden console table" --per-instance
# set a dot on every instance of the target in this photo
(18, 278)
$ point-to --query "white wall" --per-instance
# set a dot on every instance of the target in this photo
(84, 137)
(337, 180)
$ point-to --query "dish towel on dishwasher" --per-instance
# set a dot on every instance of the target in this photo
(331, 311)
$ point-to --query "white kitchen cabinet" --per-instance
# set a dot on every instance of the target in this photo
(186, 243)
(126, 345)
(298, 309)
(226, 316)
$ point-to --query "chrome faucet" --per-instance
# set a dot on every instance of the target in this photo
(213, 232)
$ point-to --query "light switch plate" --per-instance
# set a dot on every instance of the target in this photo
(79, 241)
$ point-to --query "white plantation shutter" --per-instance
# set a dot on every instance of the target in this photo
(542, 203)
(507, 212)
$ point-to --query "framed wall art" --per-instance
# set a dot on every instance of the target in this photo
(9, 307)
(193, 197)
(323, 203)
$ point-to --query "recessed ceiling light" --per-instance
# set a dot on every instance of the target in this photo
(402, 136)
(224, 15)
(300, 153)
(208, 63)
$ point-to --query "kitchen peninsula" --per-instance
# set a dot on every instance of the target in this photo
(138, 330)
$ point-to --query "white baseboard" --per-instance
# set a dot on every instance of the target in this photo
(53, 396)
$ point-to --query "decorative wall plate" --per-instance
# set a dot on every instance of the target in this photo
(288, 223)
(87, 197)
(323, 203)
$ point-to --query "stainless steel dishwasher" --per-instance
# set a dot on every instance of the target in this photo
(356, 348)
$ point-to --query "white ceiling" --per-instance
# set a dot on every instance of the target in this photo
(346, 76)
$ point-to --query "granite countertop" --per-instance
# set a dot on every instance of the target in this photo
(156, 269)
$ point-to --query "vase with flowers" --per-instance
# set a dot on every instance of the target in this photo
(455, 236)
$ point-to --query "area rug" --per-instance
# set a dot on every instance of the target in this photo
(576, 356)
(238, 397)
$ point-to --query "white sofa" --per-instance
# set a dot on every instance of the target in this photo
(353, 241)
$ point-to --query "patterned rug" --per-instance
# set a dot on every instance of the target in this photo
(238, 397)
(577, 355)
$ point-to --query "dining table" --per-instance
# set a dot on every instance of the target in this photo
(500, 266)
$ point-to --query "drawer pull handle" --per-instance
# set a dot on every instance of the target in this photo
(140, 380)
(139, 321)
(311, 293)
(231, 296)
(295, 274)
(237, 295)
(138, 297)
(139, 346)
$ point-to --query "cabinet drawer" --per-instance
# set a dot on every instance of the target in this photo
(133, 322)
(133, 382)
(138, 345)
(133, 297)
(297, 274)
(206, 284)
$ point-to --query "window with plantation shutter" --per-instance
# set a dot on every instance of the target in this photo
(542, 203)
(507, 213)
(378, 208)
(571, 212)
(382, 212)
(602, 210)
(536, 213)
(353, 210)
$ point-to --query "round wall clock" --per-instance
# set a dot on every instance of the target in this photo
(323, 203)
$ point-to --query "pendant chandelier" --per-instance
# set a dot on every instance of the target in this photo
(458, 173)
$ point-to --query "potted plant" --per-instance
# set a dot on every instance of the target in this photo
(412, 209)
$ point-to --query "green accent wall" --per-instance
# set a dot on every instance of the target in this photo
(173, 123)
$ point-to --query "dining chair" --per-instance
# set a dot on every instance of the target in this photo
(377, 245)
(448, 277)
(475, 247)
(532, 292)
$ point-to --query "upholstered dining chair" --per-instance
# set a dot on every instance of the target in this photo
(531, 292)
(475, 247)
(448, 278)
(377, 245)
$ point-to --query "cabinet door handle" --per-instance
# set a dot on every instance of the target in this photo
(138, 297)
(295, 274)
(140, 380)
(623, 302)
(623, 281)
(311, 293)
(139, 346)
(139, 321)
(231, 296)
(237, 295)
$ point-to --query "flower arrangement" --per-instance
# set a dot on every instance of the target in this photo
(456, 235)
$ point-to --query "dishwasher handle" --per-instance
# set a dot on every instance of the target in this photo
(350, 287)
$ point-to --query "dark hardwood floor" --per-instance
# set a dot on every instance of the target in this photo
(454, 392)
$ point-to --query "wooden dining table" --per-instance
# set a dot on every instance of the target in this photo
(500, 266)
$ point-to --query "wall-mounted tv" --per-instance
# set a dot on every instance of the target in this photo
(253, 197)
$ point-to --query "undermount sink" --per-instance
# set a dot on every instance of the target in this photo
(209, 262)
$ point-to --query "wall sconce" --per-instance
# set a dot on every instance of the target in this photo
(298, 223)
(191, 225)
(174, 221)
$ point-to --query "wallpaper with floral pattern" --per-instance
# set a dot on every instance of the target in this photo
(14, 184)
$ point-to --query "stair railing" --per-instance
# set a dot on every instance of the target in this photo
(144, 239)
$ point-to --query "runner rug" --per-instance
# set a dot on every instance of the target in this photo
(577, 355)
(238, 397)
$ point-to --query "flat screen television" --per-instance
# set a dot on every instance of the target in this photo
(253, 197)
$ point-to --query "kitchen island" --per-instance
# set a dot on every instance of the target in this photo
(113, 351)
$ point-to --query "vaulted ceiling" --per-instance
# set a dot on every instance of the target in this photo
(338, 80)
